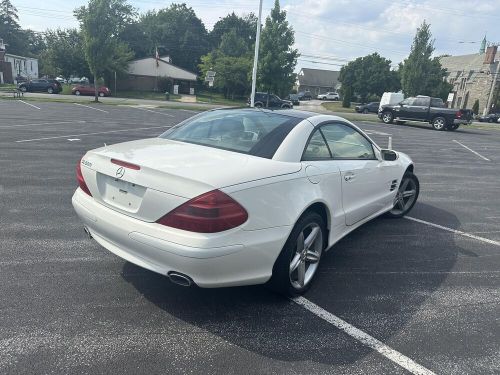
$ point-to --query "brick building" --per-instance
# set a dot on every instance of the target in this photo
(475, 77)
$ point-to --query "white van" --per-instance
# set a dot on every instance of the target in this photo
(391, 98)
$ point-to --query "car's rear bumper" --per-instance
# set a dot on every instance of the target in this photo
(230, 258)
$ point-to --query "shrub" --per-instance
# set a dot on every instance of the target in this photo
(475, 107)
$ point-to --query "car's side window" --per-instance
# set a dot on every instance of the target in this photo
(346, 142)
(316, 148)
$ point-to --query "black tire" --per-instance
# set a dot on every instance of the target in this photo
(77, 93)
(398, 212)
(281, 280)
(387, 117)
(50, 90)
(439, 123)
(285, 106)
(101, 94)
(365, 111)
(490, 120)
(23, 88)
(453, 127)
(258, 105)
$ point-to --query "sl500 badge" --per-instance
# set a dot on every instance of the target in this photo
(86, 163)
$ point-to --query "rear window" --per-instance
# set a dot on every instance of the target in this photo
(250, 132)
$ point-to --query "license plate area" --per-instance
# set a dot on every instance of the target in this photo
(119, 193)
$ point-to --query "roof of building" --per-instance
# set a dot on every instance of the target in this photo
(318, 77)
(20, 57)
(147, 67)
(455, 65)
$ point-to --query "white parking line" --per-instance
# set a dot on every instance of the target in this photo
(364, 338)
(471, 150)
(456, 231)
(31, 105)
(80, 135)
(87, 106)
(148, 110)
(43, 123)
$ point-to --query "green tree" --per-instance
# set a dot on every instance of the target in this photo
(420, 73)
(10, 31)
(101, 22)
(175, 31)
(233, 45)
(277, 57)
(63, 54)
(244, 27)
(370, 75)
(232, 72)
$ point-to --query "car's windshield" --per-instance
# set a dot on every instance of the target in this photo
(246, 131)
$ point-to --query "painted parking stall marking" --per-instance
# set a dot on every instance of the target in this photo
(471, 150)
(456, 231)
(41, 124)
(87, 106)
(31, 105)
(96, 133)
(364, 338)
(149, 110)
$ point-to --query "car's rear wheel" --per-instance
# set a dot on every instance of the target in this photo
(387, 117)
(50, 90)
(77, 93)
(490, 120)
(365, 111)
(299, 260)
(101, 94)
(24, 89)
(406, 196)
(439, 123)
(258, 105)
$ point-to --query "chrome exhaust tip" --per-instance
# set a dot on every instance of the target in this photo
(180, 279)
(87, 232)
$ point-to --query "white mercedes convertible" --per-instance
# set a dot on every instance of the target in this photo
(240, 196)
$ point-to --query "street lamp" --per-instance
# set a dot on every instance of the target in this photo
(256, 56)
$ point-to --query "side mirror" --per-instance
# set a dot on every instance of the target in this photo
(388, 155)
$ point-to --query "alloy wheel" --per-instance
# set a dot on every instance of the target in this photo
(305, 261)
(405, 197)
(439, 123)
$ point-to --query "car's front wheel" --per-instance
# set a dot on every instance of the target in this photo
(298, 262)
(101, 94)
(387, 117)
(365, 111)
(24, 89)
(406, 196)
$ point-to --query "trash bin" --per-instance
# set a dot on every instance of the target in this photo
(167, 95)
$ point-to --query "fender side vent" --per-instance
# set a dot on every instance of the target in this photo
(394, 185)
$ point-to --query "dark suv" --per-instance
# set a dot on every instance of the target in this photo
(274, 101)
(42, 85)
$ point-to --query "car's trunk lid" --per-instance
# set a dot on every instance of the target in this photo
(169, 171)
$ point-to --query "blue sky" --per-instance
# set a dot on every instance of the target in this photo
(328, 32)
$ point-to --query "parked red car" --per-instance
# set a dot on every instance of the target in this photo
(89, 90)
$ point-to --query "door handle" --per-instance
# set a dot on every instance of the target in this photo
(349, 176)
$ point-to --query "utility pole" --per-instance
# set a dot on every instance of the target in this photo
(256, 56)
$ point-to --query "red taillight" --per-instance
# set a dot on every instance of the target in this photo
(458, 114)
(208, 213)
(125, 164)
(81, 181)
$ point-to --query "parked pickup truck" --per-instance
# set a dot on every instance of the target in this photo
(425, 109)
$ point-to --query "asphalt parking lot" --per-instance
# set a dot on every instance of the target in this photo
(427, 287)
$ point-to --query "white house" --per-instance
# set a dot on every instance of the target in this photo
(26, 67)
